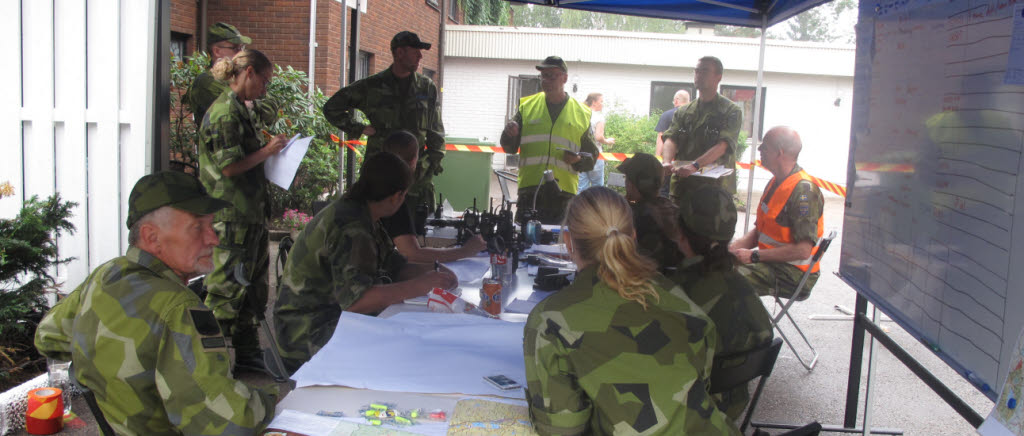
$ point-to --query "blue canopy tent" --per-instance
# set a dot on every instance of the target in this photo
(747, 13)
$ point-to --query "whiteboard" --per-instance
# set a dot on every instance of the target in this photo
(933, 232)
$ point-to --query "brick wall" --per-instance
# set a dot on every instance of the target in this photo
(184, 16)
(280, 29)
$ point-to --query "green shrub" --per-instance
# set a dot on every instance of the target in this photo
(28, 255)
(298, 113)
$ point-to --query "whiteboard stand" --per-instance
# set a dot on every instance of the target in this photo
(862, 324)
(853, 384)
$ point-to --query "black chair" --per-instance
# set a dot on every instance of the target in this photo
(823, 245)
(736, 369)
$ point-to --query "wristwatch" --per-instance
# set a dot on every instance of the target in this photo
(755, 256)
(696, 165)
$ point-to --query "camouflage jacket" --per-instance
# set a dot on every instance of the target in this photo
(599, 364)
(339, 255)
(696, 128)
(655, 224)
(381, 99)
(730, 301)
(740, 317)
(227, 136)
(205, 90)
(151, 352)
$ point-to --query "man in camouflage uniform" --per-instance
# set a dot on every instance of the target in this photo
(223, 41)
(237, 286)
(140, 340)
(654, 376)
(654, 216)
(789, 222)
(703, 133)
(397, 98)
(707, 220)
(344, 260)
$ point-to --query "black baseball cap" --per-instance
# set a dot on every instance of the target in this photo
(553, 62)
(406, 38)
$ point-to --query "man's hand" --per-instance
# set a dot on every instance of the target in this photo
(475, 244)
(369, 130)
(571, 157)
(276, 144)
(511, 129)
(609, 141)
(444, 279)
(742, 254)
(685, 170)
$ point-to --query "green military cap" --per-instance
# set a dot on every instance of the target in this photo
(170, 188)
(709, 211)
(406, 38)
(644, 171)
(226, 32)
(553, 62)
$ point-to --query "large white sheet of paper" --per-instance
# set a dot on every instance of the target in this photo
(280, 168)
(419, 352)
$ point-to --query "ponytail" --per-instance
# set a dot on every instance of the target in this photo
(600, 223)
(226, 69)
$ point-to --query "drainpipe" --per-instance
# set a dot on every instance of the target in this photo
(312, 46)
(440, 52)
(202, 26)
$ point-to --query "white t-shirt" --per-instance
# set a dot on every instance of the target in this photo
(597, 117)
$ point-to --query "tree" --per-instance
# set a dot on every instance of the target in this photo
(554, 18)
(485, 12)
(823, 23)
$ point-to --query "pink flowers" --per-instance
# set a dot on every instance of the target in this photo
(295, 220)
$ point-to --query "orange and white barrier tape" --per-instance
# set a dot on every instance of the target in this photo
(45, 414)
(619, 157)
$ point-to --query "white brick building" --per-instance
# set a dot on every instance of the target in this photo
(807, 85)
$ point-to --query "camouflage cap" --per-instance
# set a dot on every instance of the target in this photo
(225, 32)
(644, 171)
(170, 188)
(406, 38)
(709, 211)
(553, 62)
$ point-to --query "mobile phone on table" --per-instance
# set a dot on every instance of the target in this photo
(502, 382)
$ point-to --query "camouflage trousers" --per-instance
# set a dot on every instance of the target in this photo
(237, 286)
(766, 278)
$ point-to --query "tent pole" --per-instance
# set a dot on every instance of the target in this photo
(756, 127)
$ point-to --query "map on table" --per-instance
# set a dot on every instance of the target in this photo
(474, 417)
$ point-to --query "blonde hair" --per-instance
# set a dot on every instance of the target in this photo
(227, 69)
(600, 224)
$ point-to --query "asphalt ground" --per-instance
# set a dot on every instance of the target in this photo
(795, 396)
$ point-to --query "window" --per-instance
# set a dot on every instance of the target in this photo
(744, 96)
(453, 10)
(363, 64)
(662, 94)
(518, 87)
(430, 73)
(179, 45)
(433, 4)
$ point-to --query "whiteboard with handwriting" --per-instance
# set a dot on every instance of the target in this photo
(933, 233)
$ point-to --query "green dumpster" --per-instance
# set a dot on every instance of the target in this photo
(466, 176)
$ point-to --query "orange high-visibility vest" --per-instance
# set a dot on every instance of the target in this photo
(773, 235)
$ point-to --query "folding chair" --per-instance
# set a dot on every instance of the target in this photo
(736, 369)
(784, 312)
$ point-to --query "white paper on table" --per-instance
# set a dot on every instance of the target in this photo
(555, 249)
(280, 168)
(308, 424)
(419, 352)
(470, 270)
(525, 306)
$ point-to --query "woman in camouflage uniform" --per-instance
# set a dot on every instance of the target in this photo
(622, 350)
(231, 156)
(707, 221)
